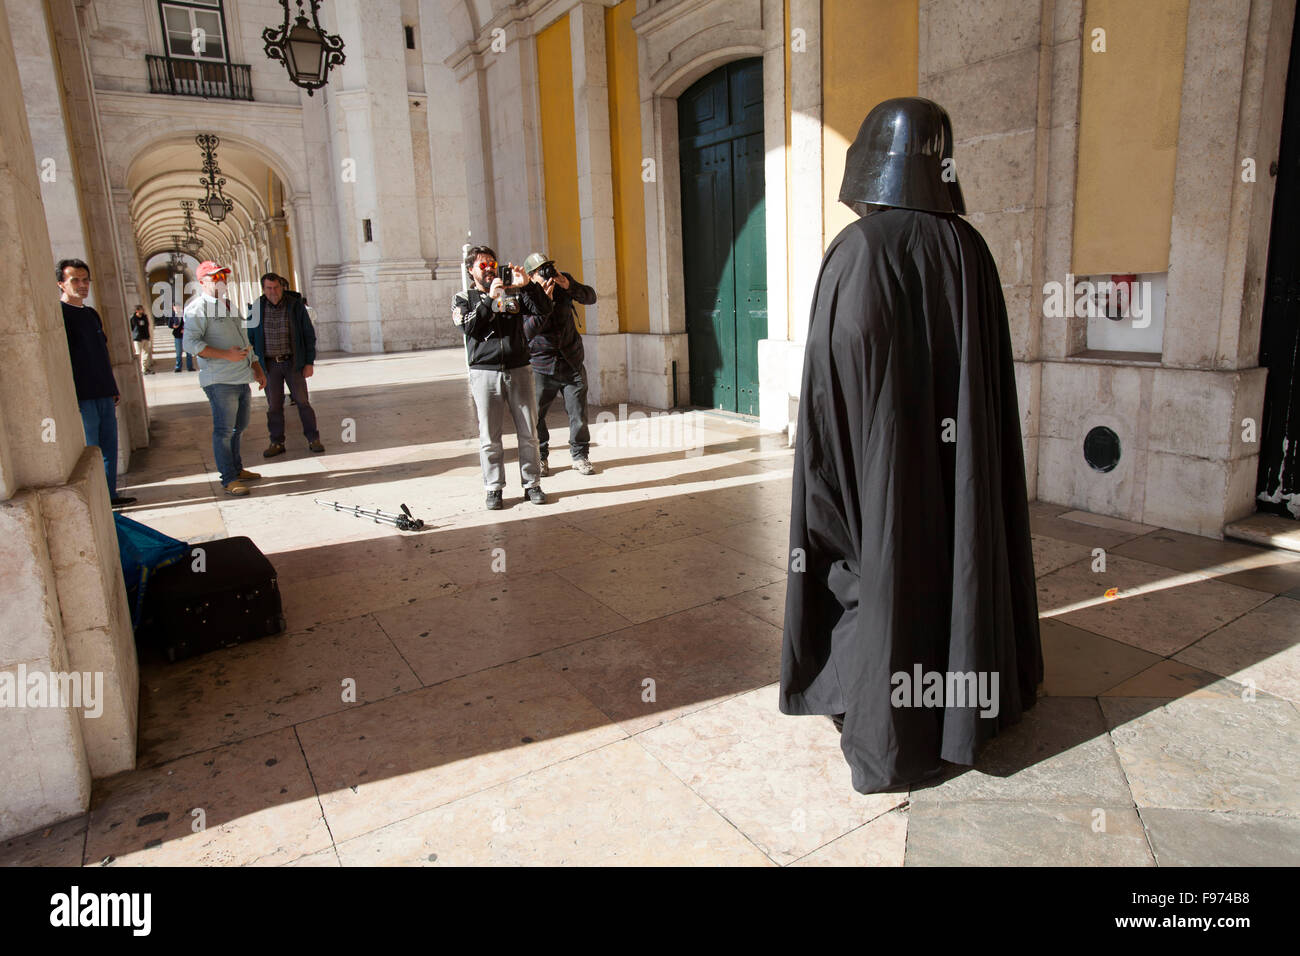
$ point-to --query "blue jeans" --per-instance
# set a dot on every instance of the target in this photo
(189, 359)
(231, 405)
(99, 420)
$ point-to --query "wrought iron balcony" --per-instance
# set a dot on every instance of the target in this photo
(223, 81)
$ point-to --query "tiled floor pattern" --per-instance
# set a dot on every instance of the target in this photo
(593, 681)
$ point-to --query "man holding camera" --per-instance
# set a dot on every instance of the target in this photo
(490, 314)
(556, 355)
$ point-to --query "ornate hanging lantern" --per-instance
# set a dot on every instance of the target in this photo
(191, 243)
(215, 202)
(305, 49)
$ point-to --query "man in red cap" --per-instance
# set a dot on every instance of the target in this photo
(217, 336)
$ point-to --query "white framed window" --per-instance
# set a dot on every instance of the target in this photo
(194, 30)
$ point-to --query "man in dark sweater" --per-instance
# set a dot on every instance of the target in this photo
(92, 369)
(490, 314)
(556, 354)
(285, 342)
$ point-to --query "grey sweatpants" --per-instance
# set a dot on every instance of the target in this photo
(493, 393)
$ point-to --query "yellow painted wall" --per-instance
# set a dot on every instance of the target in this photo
(869, 54)
(559, 152)
(625, 156)
(1128, 135)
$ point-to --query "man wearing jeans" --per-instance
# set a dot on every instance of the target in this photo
(285, 344)
(490, 314)
(92, 369)
(216, 334)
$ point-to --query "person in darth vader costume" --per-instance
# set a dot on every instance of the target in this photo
(911, 564)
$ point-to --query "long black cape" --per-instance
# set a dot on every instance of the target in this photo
(909, 526)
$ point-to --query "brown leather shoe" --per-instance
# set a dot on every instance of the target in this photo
(237, 488)
(316, 446)
(247, 475)
(274, 449)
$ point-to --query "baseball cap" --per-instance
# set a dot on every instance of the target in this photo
(535, 261)
(210, 268)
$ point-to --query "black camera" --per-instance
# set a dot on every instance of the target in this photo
(547, 271)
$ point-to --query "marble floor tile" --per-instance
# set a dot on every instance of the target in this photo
(659, 580)
(256, 800)
(245, 691)
(882, 842)
(1106, 521)
(60, 844)
(327, 598)
(1200, 838)
(1231, 562)
(1052, 555)
(693, 659)
(498, 622)
(767, 539)
(519, 549)
(662, 521)
(766, 603)
(999, 834)
(615, 806)
(782, 781)
(384, 762)
(1262, 646)
(1082, 664)
(754, 498)
(1206, 753)
(1156, 609)
(1090, 535)
(1058, 754)
(1170, 678)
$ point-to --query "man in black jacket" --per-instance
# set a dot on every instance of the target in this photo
(490, 314)
(284, 341)
(556, 353)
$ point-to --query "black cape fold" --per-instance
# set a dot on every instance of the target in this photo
(913, 549)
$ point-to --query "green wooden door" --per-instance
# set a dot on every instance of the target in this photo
(724, 251)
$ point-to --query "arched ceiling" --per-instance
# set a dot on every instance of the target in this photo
(162, 177)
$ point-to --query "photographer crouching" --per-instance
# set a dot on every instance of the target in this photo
(490, 314)
(556, 354)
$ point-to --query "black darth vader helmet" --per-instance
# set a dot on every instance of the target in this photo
(898, 159)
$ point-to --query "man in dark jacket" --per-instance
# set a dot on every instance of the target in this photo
(490, 314)
(555, 351)
(910, 609)
(284, 341)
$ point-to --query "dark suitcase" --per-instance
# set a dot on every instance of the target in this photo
(224, 597)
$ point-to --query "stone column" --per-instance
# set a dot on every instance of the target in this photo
(606, 349)
(384, 287)
(95, 197)
(62, 601)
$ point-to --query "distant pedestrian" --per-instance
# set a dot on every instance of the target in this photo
(177, 324)
(92, 369)
(142, 335)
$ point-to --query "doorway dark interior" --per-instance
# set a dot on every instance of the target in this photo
(1278, 484)
(724, 242)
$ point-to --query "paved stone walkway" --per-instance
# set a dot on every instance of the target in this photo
(501, 665)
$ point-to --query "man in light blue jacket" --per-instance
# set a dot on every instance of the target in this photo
(215, 333)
